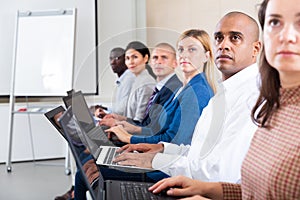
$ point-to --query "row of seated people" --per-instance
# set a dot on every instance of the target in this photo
(175, 110)
(221, 138)
(193, 45)
(164, 119)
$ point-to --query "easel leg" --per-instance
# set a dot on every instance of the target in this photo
(10, 131)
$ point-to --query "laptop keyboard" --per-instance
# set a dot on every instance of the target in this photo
(110, 156)
(136, 190)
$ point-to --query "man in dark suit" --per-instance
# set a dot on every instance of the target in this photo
(163, 63)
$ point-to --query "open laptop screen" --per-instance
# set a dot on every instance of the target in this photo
(51, 115)
(81, 110)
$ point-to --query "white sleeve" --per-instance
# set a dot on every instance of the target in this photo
(170, 148)
(174, 158)
(162, 162)
(224, 161)
(217, 152)
(171, 154)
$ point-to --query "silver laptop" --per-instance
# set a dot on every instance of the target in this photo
(103, 152)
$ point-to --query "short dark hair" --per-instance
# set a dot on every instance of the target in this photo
(120, 50)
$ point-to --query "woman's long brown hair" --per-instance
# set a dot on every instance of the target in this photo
(268, 99)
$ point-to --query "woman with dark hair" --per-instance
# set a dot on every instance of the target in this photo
(137, 56)
(271, 169)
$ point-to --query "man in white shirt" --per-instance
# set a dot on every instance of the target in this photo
(124, 81)
(225, 129)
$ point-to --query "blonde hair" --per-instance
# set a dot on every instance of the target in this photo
(210, 69)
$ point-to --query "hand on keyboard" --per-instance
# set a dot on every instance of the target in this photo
(143, 160)
(142, 148)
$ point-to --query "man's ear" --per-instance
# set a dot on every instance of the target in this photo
(256, 48)
(175, 64)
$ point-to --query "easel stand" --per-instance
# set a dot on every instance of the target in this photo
(43, 51)
(30, 110)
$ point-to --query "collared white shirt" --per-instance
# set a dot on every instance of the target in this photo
(162, 83)
(221, 137)
(123, 88)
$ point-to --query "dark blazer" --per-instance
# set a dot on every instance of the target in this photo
(167, 91)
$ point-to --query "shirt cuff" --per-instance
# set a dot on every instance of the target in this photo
(170, 148)
(231, 191)
(162, 161)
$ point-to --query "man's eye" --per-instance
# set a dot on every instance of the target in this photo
(235, 38)
(218, 38)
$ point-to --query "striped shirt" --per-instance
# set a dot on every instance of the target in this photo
(271, 169)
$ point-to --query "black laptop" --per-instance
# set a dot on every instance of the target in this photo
(51, 114)
(86, 120)
(110, 189)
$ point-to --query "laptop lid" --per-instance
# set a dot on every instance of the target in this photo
(81, 110)
(68, 99)
(53, 115)
(67, 120)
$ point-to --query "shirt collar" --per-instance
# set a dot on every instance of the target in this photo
(161, 83)
(234, 81)
(119, 80)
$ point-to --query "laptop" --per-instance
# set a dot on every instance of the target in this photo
(53, 115)
(95, 139)
(110, 189)
(65, 121)
(96, 134)
(102, 153)
(50, 115)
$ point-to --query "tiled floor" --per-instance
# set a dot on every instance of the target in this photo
(34, 181)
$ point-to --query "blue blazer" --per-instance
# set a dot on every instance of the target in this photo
(178, 120)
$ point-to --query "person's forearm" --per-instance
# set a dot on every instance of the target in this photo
(213, 191)
(137, 129)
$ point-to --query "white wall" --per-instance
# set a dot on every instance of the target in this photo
(119, 23)
(47, 142)
(171, 17)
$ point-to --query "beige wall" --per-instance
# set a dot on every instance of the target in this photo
(171, 17)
